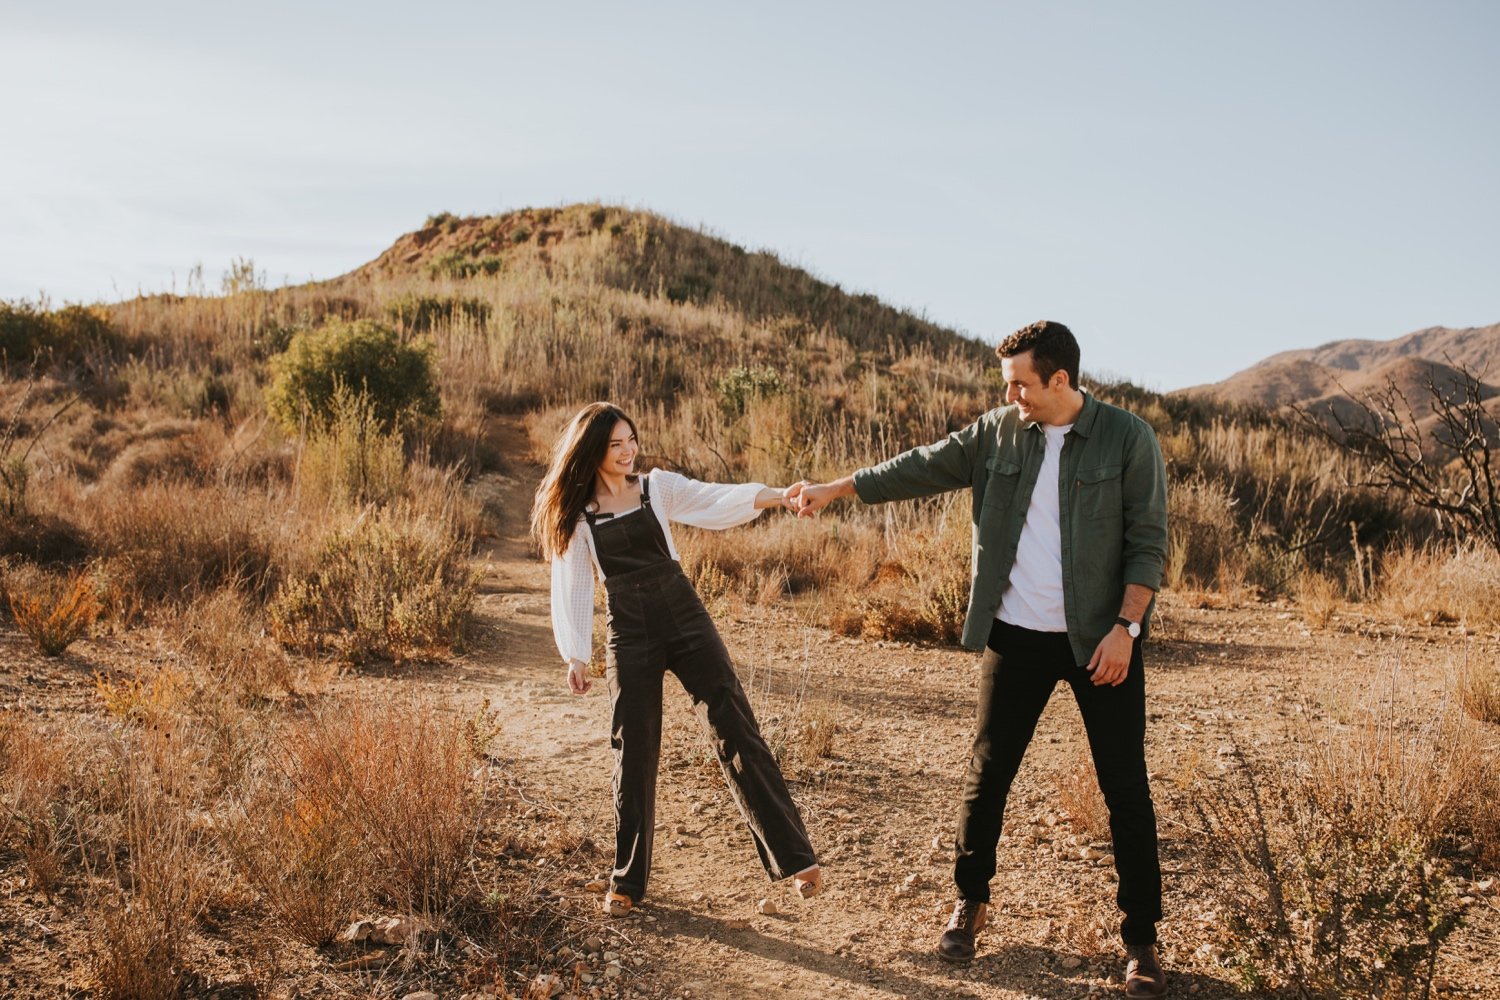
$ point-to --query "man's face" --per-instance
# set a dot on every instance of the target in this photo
(1037, 400)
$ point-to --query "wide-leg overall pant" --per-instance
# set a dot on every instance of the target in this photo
(657, 624)
(1018, 672)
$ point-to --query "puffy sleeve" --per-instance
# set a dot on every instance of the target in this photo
(573, 599)
(704, 505)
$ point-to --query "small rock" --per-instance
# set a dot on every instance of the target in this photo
(596, 885)
(697, 897)
(611, 956)
(612, 972)
(695, 808)
(592, 943)
(389, 930)
(937, 842)
(1070, 962)
(425, 995)
(1485, 886)
(736, 924)
(767, 906)
(360, 930)
(545, 985)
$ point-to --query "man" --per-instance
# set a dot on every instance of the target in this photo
(1070, 536)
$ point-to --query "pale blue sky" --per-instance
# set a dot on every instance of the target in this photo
(1190, 185)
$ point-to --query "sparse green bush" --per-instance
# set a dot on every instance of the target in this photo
(396, 585)
(65, 336)
(367, 357)
(740, 386)
(457, 264)
(420, 313)
(446, 220)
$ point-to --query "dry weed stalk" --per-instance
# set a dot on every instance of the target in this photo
(1079, 795)
(1318, 597)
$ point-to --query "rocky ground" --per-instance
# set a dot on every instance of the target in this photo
(880, 807)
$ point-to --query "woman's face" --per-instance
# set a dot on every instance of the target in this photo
(619, 454)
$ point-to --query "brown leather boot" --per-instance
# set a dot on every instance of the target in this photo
(1143, 973)
(957, 942)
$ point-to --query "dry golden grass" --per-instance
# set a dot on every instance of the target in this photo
(1435, 586)
(36, 819)
(156, 874)
(364, 803)
(1480, 692)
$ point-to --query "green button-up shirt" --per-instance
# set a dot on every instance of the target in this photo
(1112, 492)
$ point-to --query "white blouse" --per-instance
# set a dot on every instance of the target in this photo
(673, 498)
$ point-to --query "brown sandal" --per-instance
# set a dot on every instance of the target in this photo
(808, 882)
(617, 904)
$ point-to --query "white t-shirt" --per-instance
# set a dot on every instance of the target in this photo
(1034, 598)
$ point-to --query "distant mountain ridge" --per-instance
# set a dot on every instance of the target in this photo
(1334, 372)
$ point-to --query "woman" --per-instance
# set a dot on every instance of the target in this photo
(593, 513)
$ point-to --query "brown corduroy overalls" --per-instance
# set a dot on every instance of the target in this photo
(657, 623)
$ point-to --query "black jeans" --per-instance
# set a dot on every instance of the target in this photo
(1018, 672)
(656, 624)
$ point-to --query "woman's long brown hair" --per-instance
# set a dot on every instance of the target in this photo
(568, 486)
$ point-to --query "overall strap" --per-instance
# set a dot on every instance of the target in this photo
(646, 491)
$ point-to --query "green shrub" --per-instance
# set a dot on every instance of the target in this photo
(457, 264)
(65, 336)
(447, 220)
(368, 358)
(740, 385)
(420, 313)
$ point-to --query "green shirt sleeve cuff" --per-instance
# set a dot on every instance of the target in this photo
(867, 486)
(1144, 574)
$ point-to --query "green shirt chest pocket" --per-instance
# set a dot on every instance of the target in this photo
(1098, 493)
(1003, 481)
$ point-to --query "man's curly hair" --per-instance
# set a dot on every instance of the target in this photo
(1051, 345)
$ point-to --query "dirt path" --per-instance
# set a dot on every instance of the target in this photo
(880, 806)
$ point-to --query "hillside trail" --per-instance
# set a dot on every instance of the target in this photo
(880, 804)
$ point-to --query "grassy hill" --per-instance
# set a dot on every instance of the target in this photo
(737, 365)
